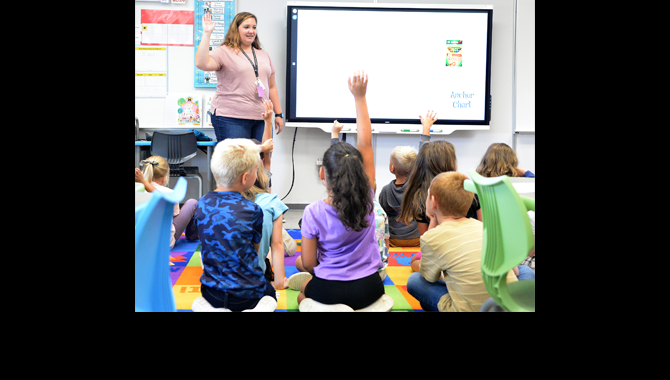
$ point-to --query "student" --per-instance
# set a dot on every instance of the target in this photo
(230, 228)
(433, 158)
(273, 211)
(390, 198)
(452, 247)
(500, 159)
(381, 219)
(338, 233)
(155, 176)
(266, 156)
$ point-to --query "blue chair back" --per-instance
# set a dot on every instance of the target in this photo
(153, 289)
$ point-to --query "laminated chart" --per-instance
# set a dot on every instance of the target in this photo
(168, 28)
(223, 12)
(150, 72)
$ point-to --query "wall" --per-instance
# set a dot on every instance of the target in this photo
(311, 142)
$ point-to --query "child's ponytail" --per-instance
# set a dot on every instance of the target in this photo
(348, 185)
(155, 167)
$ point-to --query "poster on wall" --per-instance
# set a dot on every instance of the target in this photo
(165, 27)
(223, 13)
(151, 72)
(183, 110)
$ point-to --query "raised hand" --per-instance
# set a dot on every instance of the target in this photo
(359, 84)
(337, 128)
(267, 115)
(429, 119)
(207, 23)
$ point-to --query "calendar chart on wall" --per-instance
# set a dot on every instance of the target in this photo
(223, 13)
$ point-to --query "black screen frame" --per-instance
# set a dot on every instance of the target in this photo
(291, 71)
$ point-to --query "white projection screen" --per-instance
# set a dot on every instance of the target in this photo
(417, 57)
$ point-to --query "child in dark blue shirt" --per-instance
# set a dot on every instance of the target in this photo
(230, 228)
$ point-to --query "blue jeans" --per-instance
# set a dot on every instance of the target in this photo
(525, 273)
(232, 128)
(218, 298)
(427, 293)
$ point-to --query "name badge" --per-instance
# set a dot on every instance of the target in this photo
(260, 89)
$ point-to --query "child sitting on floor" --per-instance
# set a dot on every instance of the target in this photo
(390, 198)
(273, 211)
(230, 228)
(381, 219)
(500, 159)
(452, 247)
(433, 158)
(155, 176)
(339, 248)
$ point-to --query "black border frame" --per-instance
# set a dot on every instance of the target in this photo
(291, 74)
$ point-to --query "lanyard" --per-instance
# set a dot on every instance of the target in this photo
(252, 63)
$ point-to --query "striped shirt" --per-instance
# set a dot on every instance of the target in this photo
(455, 250)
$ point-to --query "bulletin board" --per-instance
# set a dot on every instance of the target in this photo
(223, 12)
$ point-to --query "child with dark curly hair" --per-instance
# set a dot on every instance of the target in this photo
(339, 245)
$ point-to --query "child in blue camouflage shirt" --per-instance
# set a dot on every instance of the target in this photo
(230, 228)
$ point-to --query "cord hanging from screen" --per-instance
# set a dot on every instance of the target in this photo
(292, 164)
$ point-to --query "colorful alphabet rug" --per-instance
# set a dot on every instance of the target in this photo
(185, 272)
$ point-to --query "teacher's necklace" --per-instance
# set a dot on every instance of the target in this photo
(254, 64)
(259, 85)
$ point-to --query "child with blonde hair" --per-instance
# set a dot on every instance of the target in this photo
(155, 176)
(390, 198)
(272, 241)
(230, 228)
(452, 248)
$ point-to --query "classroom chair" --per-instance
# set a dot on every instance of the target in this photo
(177, 147)
(153, 288)
(507, 240)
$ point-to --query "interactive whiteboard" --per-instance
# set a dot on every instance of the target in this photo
(418, 57)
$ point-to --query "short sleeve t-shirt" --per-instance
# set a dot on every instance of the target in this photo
(236, 94)
(342, 253)
(272, 208)
(229, 225)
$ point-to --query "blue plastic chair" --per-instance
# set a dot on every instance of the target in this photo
(153, 288)
(507, 240)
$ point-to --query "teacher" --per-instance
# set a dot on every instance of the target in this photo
(245, 75)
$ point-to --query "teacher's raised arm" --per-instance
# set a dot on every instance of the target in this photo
(245, 77)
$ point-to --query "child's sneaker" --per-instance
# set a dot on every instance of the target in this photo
(295, 281)
(266, 304)
(290, 247)
(200, 304)
(384, 303)
(309, 305)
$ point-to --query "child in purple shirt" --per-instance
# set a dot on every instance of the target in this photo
(339, 247)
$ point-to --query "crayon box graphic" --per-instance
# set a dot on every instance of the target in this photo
(454, 53)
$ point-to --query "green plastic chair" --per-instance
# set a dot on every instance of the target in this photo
(507, 240)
